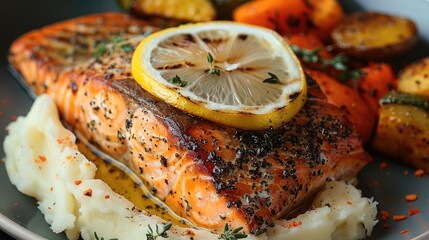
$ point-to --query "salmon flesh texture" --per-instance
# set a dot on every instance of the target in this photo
(205, 172)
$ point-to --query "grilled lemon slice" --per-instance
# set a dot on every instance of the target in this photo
(234, 74)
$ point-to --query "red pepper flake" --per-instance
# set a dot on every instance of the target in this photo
(399, 217)
(384, 165)
(413, 211)
(294, 224)
(411, 197)
(13, 117)
(77, 182)
(1, 114)
(386, 225)
(349, 203)
(88, 192)
(4, 101)
(406, 172)
(42, 158)
(384, 215)
(107, 196)
(419, 173)
(404, 231)
(52, 189)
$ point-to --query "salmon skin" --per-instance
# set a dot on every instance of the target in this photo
(205, 172)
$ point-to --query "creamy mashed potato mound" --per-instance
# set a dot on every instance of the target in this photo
(42, 161)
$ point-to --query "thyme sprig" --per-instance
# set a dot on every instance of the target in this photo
(339, 62)
(178, 81)
(151, 235)
(117, 42)
(232, 234)
(273, 79)
(212, 69)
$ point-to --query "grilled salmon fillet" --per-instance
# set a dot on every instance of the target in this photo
(205, 172)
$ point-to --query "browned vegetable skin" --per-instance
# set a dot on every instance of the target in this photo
(189, 10)
(403, 133)
(374, 36)
(414, 78)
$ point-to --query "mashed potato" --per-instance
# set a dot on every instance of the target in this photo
(43, 161)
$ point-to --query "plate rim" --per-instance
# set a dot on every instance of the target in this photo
(17, 231)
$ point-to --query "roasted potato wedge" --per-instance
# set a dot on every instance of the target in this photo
(189, 10)
(403, 133)
(374, 36)
(415, 78)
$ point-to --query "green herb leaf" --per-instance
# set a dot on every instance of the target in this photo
(150, 235)
(212, 69)
(338, 62)
(354, 75)
(100, 49)
(273, 79)
(234, 234)
(178, 81)
(126, 47)
(209, 58)
(307, 55)
(115, 43)
(116, 39)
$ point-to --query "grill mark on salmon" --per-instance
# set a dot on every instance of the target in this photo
(205, 172)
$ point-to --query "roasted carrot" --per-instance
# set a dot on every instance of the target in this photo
(348, 99)
(325, 15)
(285, 17)
(378, 79)
(292, 16)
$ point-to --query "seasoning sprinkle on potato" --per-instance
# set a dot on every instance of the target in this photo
(414, 78)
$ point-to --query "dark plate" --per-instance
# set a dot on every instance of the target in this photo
(19, 215)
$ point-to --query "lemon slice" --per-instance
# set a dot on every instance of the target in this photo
(234, 74)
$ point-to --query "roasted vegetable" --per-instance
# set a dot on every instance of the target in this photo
(292, 16)
(415, 78)
(376, 81)
(349, 100)
(325, 15)
(189, 10)
(374, 36)
(406, 99)
(403, 129)
(285, 17)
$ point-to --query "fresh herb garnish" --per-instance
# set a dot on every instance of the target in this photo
(102, 238)
(229, 234)
(126, 47)
(212, 69)
(150, 235)
(178, 81)
(338, 62)
(116, 39)
(99, 50)
(306, 55)
(116, 42)
(272, 79)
